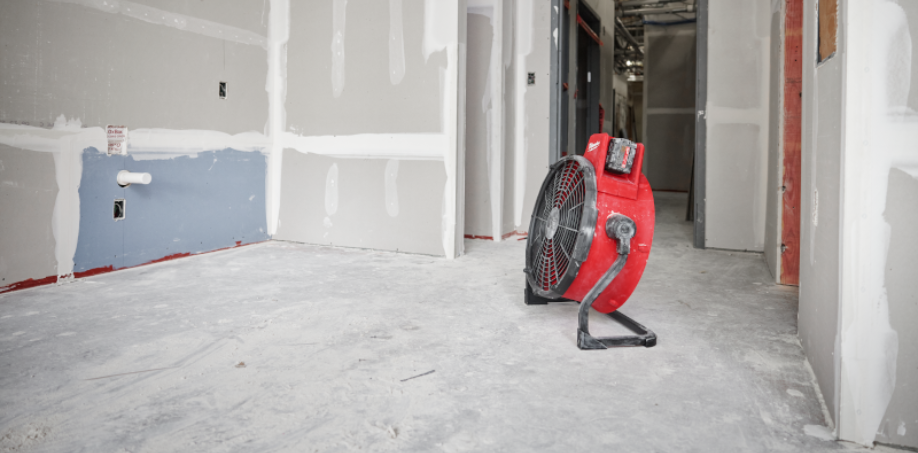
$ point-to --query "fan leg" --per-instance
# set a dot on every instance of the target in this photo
(644, 336)
(532, 298)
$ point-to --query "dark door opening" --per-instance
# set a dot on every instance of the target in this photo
(588, 73)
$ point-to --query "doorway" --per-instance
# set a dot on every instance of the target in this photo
(586, 94)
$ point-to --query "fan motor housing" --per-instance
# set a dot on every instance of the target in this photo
(594, 251)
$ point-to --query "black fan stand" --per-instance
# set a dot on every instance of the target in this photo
(622, 229)
(643, 336)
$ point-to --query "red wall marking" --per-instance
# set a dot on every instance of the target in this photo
(96, 271)
(30, 283)
(505, 236)
(793, 87)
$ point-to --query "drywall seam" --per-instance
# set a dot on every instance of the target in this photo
(158, 144)
(437, 27)
(66, 141)
(391, 187)
(276, 88)
(396, 43)
(441, 24)
(492, 106)
(521, 116)
(880, 132)
(380, 146)
(496, 82)
(331, 190)
(339, 9)
(173, 20)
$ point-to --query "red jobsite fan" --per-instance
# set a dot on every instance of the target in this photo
(590, 236)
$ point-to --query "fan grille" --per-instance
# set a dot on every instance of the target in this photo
(568, 194)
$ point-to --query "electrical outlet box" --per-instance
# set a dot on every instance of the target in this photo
(222, 90)
(531, 80)
(118, 211)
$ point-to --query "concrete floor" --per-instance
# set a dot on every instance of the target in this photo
(288, 347)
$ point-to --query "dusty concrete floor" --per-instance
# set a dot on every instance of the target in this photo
(151, 359)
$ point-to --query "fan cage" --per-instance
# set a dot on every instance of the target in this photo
(561, 227)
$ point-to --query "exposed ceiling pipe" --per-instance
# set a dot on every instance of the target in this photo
(621, 27)
(664, 10)
(647, 2)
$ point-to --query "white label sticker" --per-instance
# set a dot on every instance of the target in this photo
(117, 139)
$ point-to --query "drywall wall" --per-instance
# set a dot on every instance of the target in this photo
(382, 203)
(478, 124)
(880, 132)
(353, 98)
(669, 110)
(511, 72)
(71, 67)
(899, 425)
(773, 199)
(105, 67)
(533, 41)
(523, 49)
(737, 123)
(820, 230)
(28, 190)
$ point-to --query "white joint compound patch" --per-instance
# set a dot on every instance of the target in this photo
(276, 86)
(391, 178)
(396, 43)
(66, 140)
(331, 190)
(524, 48)
(880, 135)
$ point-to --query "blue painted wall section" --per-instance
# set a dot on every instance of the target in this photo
(195, 204)
(101, 240)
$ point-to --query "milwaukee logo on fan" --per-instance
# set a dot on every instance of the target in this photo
(593, 146)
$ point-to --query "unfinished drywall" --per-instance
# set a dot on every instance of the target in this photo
(899, 425)
(103, 66)
(382, 203)
(478, 181)
(669, 111)
(27, 194)
(773, 199)
(737, 123)
(822, 153)
(523, 46)
(880, 132)
(71, 67)
(346, 98)
(533, 41)
(340, 65)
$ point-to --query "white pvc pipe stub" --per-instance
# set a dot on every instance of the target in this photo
(126, 178)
